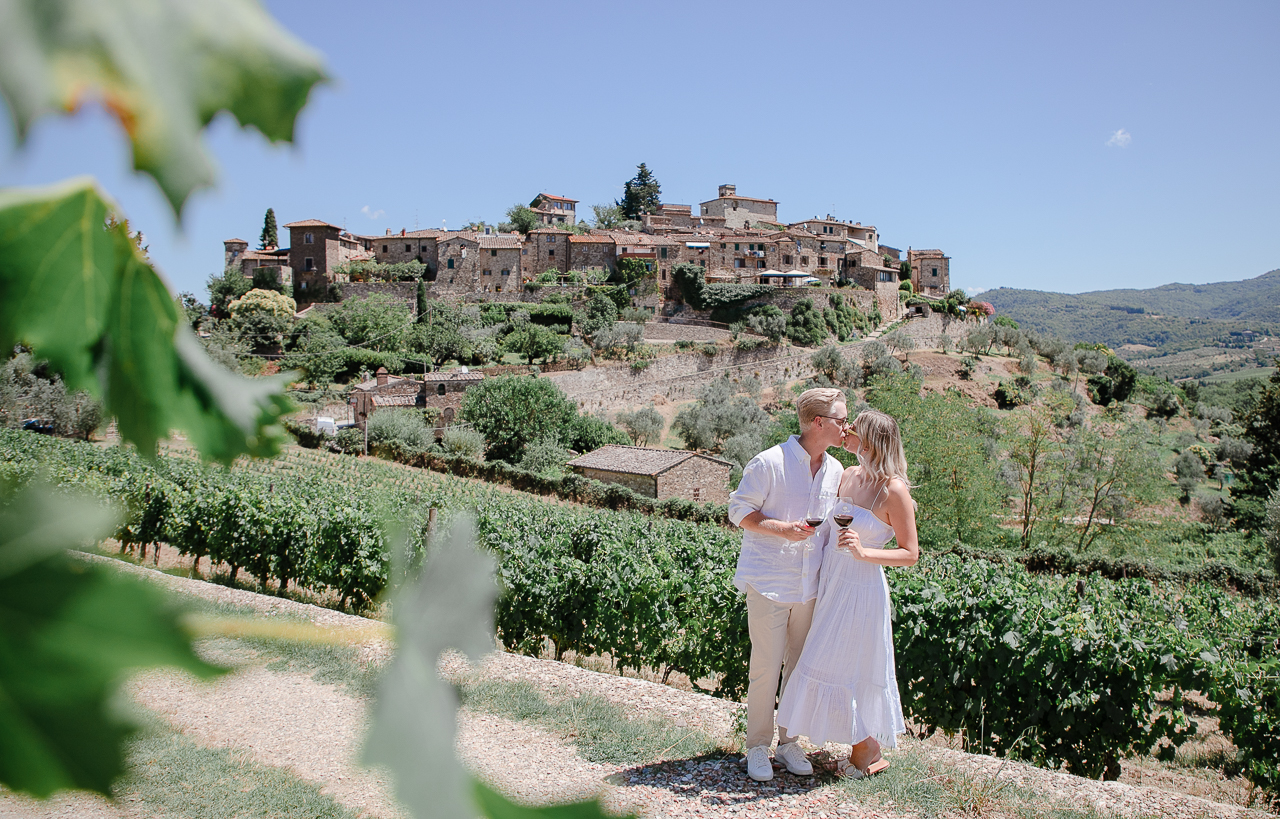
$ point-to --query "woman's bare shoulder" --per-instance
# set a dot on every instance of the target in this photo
(899, 489)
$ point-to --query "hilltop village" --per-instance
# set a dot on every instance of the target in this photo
(736, 239)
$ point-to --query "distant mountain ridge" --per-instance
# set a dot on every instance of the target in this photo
(1177, 314)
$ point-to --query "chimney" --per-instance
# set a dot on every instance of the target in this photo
(728, 190)
(401, 231)
(388, 231)
(382, 377)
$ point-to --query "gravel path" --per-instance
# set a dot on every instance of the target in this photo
(291, 721)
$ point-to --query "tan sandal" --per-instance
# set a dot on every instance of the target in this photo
(845, 769)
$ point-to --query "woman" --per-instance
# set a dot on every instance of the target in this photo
(844, 687)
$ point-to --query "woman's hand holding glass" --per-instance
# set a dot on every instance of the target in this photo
(851, 543)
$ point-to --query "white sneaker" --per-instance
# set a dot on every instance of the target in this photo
(792, 755)
(759, 767)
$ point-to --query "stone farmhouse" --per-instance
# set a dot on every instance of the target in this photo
(658, 473)
(442, 390)
(735, 238)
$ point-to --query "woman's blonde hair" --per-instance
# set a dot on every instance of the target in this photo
(881, 453)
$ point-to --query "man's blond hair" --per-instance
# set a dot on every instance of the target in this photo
(815, 402)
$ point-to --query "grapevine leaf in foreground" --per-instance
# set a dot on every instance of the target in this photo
(164, 69)
(69, 633)
(82, 296)
(415, 717)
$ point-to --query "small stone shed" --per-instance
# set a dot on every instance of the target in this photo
(659, 473)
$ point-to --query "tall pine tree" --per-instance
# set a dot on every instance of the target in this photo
(640, 195)
(269, 237)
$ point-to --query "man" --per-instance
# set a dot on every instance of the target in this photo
(777, 569)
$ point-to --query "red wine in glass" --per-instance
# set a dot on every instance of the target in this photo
(842, 521)
(813, 523)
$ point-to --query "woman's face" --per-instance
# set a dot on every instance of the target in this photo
(852, 443)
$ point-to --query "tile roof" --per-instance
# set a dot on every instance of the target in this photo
(637, 460)
(550, 230)
(373, 382)
(736, 196)
(497, 242)
(312, 223)
(592, 238)
(556, 198)
(402, 400)
(241, 241)
(451, 375)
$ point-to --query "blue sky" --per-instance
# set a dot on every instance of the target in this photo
(1066, 146)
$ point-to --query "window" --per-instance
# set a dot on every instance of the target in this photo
(422, 248)
(551, 239)
(664, 275)
(408, 248)
(308, 238)
(722, 245)
(493, 253)
(804, 260)
(822, 261)
(855, 261)
(440, 389)
(739, 263)
(524, 251)
(648, 266)
(696, 494)
(935, 272)
(308, 263)
(506, 272)
(488, 273)
(786, 259)
(760, 263)
(735, 246)
(551, 254)
(450, 264)
(384, 248)
(885, 276)
(664, 255)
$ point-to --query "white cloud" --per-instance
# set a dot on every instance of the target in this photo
(1120, 139)
(973, 291)
(372, 214)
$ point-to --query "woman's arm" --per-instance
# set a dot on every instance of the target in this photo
(902, 517)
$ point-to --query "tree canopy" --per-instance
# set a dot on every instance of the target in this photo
(269, 237)
(641, 194)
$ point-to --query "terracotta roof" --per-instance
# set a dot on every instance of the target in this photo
(497, 242)
(637, 460)
(556, 198)
(403, 400)
(473, 238)
(550, 230)
(312, 223)
(452, 375)
(373, 382)
(927, 253)
(229, 241)
(592, 238)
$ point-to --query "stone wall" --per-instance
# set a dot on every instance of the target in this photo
(353, 291)
(640, 484)
(492, 263)
(696, 479)
(926, 330)
(544, 250)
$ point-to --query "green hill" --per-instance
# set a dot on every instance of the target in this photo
(1172, 317)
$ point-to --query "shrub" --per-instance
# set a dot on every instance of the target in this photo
(545, 457)
(402, 426)
(305, 434)
(349, 441)
(643, 425)
(806, 326)
(464, 441)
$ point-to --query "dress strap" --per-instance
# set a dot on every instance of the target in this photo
(882, 491)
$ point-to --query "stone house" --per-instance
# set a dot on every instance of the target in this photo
(555, 210)
(545, 249)
(819, 255)
(740, 211)
(499, 262)
(316, 250)
(593, 251)
(236, 254)
(670, 218)
(442, 390)
(460, 262)
(659, 473)
(930, 272)
(742, 255)
(409, 246)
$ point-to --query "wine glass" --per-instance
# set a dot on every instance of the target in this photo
(815, 514)
(842, 512)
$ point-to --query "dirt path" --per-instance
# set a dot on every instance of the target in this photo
(290, 721)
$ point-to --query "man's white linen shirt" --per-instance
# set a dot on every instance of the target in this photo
(778, 483)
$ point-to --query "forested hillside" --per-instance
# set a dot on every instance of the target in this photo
(1173, 316)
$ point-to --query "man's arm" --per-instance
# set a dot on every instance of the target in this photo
(792, 530)
(746, 500)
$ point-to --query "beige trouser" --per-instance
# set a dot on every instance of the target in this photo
(777, 636)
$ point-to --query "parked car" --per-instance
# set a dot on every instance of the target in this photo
(38, 425)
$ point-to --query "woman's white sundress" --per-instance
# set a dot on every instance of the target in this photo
(844, 687)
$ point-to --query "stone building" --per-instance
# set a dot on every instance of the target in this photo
(659, 473)
(442, 390)
(555, 210)
(237, 255)
(545, 249)
(593, 251)
(677, 218)
(459, 261)
(408, 246)
(316, 250)
(499, 262)
(930, 272)
(740, 211)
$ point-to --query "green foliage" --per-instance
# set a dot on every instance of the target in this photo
(1261, 472)
(511, 411)
(769, 322)
(270, 235)
(521, 218)
(533, 341)
(806, 326)
(379, 323)
(644, 425)
(403, 427)
(1016, 392)
(224, 289)
(600, 313)
(84, 299)
(641, 194)
(367, 270)
(463, 441)
(691, 279)
(29, 391)
(607, 217)
(844, 320)
(722, 413)
(546, 456)
(69, 633)
(1005, 321)
(167, 70)
(630, 270)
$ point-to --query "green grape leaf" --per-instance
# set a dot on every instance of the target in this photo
(69, 633)
(164, 69)
(80, 295)
(495, 806)
(415, 718)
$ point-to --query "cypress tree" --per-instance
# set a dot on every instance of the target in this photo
(641, 194)
(269, 237)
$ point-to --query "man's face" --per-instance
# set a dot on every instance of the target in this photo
(831, 425)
